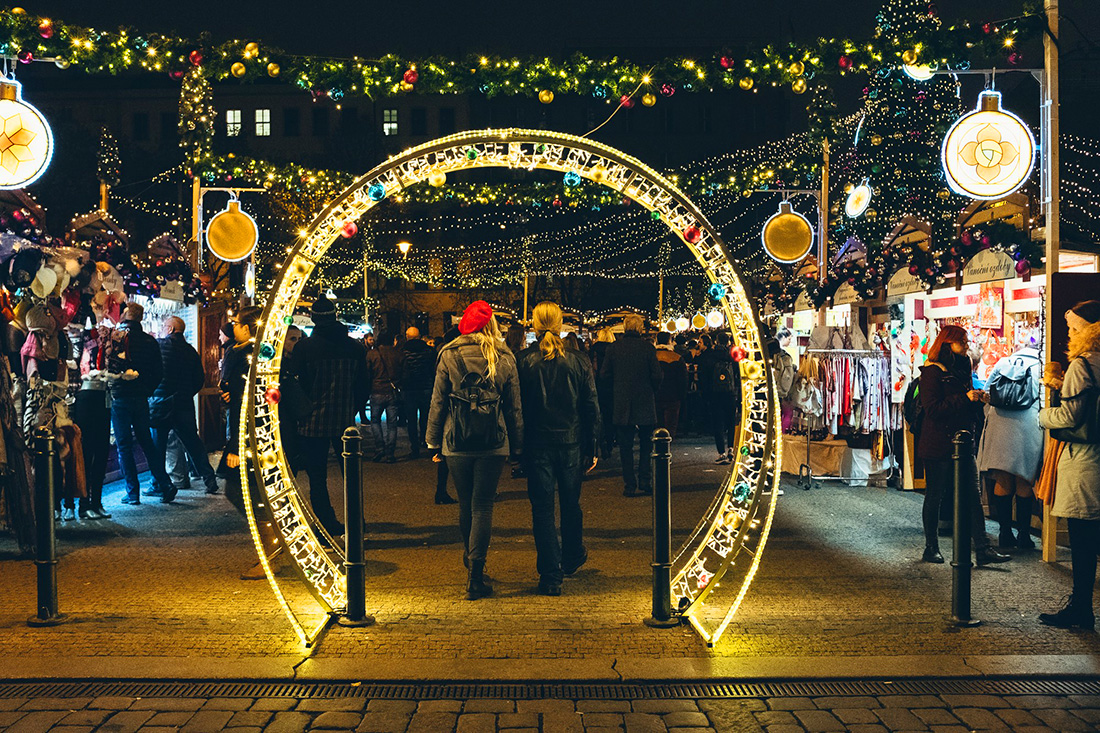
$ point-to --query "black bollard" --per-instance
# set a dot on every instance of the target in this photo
(963, 457)
(662, 532)
(355, 566)
(46, 479)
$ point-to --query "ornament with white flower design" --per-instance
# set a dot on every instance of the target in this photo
(26, 142)
(988, 153)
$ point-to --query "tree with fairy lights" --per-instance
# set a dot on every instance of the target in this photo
(108, 163)
(896, 154)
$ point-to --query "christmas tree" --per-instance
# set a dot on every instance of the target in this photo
(109, 165)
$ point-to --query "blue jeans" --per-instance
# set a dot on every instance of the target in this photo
(476, 479)
(130, 422)
(549, 468)
(385, 440)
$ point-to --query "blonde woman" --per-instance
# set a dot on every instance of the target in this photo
(476, 422)
(560, 419)
(604, 339)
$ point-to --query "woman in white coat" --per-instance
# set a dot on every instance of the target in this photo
(1077, 486)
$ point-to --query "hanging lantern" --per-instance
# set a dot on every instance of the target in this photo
(682, 323)
(546, 96)
(715, 319)
(698, 321)
(232, 234)
(26, 141)
(988, 153)
(859, 198)
(437, 178)
(787, 235)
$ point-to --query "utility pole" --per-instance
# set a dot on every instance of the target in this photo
(823, 225)
(1051, 225)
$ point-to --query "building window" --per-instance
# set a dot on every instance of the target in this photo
(446, 120)
(418, 121)
(292, 122)
(232, 122)
(320, 121)
(169, 125)
(141, 126)
(389, 122)
(263, 123)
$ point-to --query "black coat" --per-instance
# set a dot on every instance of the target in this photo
(143, 356)
(385, 370)
(418, 370)
(234, 379)
(332, 370)
(631, 367)
(947, 409)
(559, 400)
(183, 377)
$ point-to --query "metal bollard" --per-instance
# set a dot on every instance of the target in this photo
(662, 617)
(963, 457)
(355, 566)
(46, 479)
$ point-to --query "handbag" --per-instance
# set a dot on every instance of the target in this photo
(1089, 429)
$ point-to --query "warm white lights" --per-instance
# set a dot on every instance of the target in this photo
(859, 198)
(26, 141)
(988, 153)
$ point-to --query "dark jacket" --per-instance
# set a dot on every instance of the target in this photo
(143, 356)
(632, 368)
(707, 364)
(448, 372)
(332, 371)
(947, 409)
(384, 370)
(233, 381)
(674, 384)
(418, 370)
(183, 377)
(559, 400)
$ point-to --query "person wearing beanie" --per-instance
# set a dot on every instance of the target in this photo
(1077, 479)
(476, 361)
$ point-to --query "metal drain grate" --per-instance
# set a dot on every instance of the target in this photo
(537, 690)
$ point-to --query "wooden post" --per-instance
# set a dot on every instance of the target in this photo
(1053, 235)
(196, 220)
(104, 195)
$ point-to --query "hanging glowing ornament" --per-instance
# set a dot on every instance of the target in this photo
(376, 192)
(25, 57)
(45, 28)
(237, 69)
(667, 90)
(859, 198)
(909, 57)
(571, 179)
(405, 86)
(411, 75)
(232, 234)
(787, 235)
(26, 141)
(546, 96)
(682, 323)
(716, 291)
(437, 178)
(273, 69)
(715, 319)
(349, 229)
(626, 101)
(670, 325)
(250, 281)
(692, 234)
(745, 83)
(797, 68)
(698, 321)
(988, 153)
(272, 395)
(62, 63)
(649, 99)
(919, 73)
(251, 50)
(195, 57)
(798, 86)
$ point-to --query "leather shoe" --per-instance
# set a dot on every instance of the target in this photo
(570, 569)
(549, 589)
(989, 556)
(131, 500)
(932, 555)
(168, 496)
(445, 498)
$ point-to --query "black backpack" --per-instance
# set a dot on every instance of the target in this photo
(914, 410)
(725, 380)
(475, 412)
(1012, 394)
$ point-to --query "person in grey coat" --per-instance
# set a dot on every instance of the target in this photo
(1077, 486)
(632, 369)
(1011, 449)
(479, 350)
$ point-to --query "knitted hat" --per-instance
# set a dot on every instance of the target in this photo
(323, 309)
(476, 317)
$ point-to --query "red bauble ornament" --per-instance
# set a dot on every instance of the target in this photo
(913, 269)
(25, 57)
(272, 396)
(195, 57)
(667, 90)
(738, 353)
(626, 101)
(693, 234)
(725, 62)
(844, 62)
(966, 239)
(1015, 58)
(349, 229)
(45, 29)
(556, 202)
(411, 76)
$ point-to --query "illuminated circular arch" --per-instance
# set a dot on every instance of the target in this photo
(729, 539)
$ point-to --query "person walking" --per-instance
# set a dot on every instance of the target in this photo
(138, 354)
(1011, 448)
(950, 404)
(670, 395)
(417, 380)
(631, 368)
(560, 418)
(598, 354)
(720, 384)
(92, 414)
(476, 421)
(172, 406)
(442, 473)
(234, 381)
(1077, 481)
(332, 372)
(384, 375)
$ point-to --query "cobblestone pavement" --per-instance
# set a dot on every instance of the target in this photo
(864, 714)
(840, 576)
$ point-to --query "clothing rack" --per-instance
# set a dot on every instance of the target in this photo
(806, 479)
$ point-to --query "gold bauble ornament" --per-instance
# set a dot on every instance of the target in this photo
(649, 99)
(437, 178)
(251, 49)
(745, 83)
(787, 236)
(546, 96)
(273, 69)
(598, 174)
(797, 68)
(876, 139)
(18, 11)
(798, 86)
(232, 234)
(943, 193)
(871, 214)
(405, 86)
(237, 69)
(26, 142)
(909, 57)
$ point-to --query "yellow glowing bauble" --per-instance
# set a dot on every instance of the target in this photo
(598, 174)
(273, 69)
(798, 86)
(682, 323)
(859, 198)
(649, 99)
(232, 234)
(405, 86)
(871, 214)
(909, 57)
(237, 69)
(751, 369)
(699, 321)
(787, 235)
(876, 139)
(988, 153)
(437, 178)
(18, 11)
(943, 193)
(251, 49)
(26, 142)
(546, 96)
(745, 83)
(797, 68)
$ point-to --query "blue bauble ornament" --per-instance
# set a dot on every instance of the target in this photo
(376, 192)
(716, 291)
(571, 179)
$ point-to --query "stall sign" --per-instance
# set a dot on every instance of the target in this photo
(845, 295)
(172, 291)
(902, 283)
(989, 266)
(802, 302)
